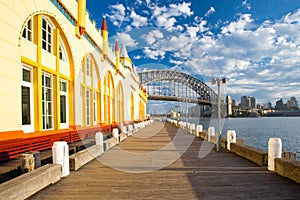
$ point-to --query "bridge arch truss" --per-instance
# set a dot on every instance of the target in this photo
(171, 85)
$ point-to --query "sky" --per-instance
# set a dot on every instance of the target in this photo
(255, 44)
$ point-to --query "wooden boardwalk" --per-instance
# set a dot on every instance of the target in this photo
(219, 175)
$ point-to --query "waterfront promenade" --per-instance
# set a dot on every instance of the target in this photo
(219, 175)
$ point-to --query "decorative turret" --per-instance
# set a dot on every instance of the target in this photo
(104, 34)
(80, 27)
(126, 61)
(117, 53)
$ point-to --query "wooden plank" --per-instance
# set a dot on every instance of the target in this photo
(220, 175)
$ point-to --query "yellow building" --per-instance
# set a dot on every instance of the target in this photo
(58, 74)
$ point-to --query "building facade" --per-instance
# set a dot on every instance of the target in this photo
(249, 102)
(59, 74)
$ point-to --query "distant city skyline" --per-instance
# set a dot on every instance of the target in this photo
(251, 102)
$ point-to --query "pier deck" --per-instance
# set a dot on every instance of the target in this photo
(219, 175)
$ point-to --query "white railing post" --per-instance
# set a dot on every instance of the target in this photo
(274, 151)
(99, 140)
(231, 138)
(192, 128)
(60, 155)
(211, 133)
(198, 130)
(116, 135)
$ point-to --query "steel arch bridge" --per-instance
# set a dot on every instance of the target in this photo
(171, 85)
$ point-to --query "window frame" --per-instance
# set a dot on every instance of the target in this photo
(95, 107)
(48, 35)
(62, 52)
(88, 66)
(46, 115)
(65, 124)
(87, 107)
(28, 127)
(28, 31)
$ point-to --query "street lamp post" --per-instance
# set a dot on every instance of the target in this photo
(187, 116)
(177, 114)
(218, 81)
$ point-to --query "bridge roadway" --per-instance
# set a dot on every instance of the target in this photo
(219, 175)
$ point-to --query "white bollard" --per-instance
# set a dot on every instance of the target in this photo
(124, 129)
(210, 132)
(135, 128)
(274, 151)
(199, 129)
(192, 128)
(60, 155)
(130, 130)
(231, 138)
(115, 133)
(99, 140)
(184, 125)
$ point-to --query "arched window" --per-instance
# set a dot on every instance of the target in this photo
(108, 99)
(62, 52)
(131, 107)
(28, 30)
(47, 34)
(47, 70)
(90, 91)
(119, 103)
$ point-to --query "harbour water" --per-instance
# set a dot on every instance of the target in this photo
(257, 131)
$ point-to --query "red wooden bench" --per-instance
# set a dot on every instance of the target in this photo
(10, 149)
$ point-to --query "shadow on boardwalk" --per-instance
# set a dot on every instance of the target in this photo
(219, 175)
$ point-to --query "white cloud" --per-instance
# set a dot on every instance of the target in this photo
(176, 62)
(154, 54)
(180, 9)
(158, 10)
(209, 12)
(243, 23)
(165, 16)
(192, 31)
(153, 36)
(126, 39)
(138, 20)
(138, 2)
(165, 22)
(246, 4)
(148, 2)
(117, 15)
(137, 57)
(179, 28)
(202, 25)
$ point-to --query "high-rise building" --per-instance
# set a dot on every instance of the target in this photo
(267, 105)
(233, 102)
(280, 105)
(252, 102)
(292, 103)
(247, 101)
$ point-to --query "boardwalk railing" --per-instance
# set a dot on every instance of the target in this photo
(285, 164)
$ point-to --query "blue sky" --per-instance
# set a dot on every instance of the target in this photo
(254, 43)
